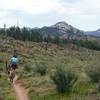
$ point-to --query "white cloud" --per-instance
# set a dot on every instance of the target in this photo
(88, 10)
(46, 6)
(29, 6)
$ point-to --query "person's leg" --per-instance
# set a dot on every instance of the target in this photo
(9, 68)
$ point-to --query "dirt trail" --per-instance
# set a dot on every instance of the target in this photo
(21, 93)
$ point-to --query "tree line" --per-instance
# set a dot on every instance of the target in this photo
(28, 34)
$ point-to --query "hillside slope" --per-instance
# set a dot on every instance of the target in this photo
(32, 54)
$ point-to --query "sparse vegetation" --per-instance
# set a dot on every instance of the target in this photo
(79, 60)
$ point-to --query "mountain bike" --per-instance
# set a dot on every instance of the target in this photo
(11, 73)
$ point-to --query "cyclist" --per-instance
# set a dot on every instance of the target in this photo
(12, 67)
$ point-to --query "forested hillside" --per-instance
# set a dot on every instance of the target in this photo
(28, 34)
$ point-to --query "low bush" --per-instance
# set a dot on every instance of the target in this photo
(27, 67)
(94, 73)
(41, 69)
(64, 80)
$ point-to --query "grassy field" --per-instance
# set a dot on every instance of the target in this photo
(42, 87)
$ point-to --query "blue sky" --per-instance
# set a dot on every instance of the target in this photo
(82, 14)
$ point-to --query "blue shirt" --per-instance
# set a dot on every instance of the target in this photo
(14, 60)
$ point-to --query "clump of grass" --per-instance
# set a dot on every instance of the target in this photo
(94, 73)
(41, 69)
(64, 80)
(6, 91)
(27, 68)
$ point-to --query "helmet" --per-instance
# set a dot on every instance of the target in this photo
(15, 56)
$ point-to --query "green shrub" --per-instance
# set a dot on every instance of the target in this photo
(41, 69)
(64, 80)
(94, 73)
(27, 68)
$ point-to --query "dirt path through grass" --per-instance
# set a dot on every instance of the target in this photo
(21, 93)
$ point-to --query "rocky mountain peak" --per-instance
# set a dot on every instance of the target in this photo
(63, 29)
(62, 25)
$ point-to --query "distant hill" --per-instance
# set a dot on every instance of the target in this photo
(63, 29)
(94, 33)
